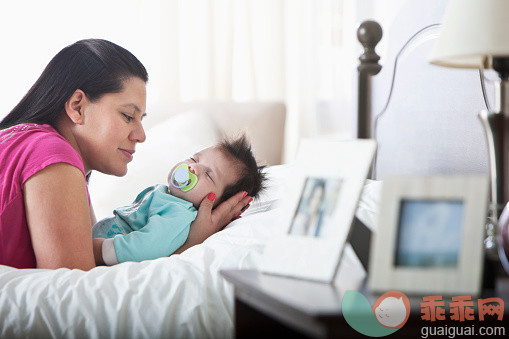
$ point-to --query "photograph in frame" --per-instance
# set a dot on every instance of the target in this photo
(318, 208)
(429, 236)
(317, 203)
(420, 218)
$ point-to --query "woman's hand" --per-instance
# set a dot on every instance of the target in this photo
(211, 221)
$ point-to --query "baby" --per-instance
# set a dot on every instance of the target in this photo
(157, 223)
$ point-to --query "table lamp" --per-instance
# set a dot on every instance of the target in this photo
(475, 34)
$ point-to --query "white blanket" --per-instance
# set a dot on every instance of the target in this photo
(180, 296)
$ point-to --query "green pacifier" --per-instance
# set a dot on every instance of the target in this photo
(183, 179)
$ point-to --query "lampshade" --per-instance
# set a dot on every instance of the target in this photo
(471, 31)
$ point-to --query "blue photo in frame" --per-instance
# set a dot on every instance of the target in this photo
(429, 233)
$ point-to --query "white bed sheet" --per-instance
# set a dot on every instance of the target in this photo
(181, 296)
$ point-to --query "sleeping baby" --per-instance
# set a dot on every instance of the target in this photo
(157, 223)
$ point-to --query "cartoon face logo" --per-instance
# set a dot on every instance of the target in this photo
(391, 312)
(388, 315)
(392, 309)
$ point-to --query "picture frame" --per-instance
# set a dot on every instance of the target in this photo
(318, 209)
(429, 237)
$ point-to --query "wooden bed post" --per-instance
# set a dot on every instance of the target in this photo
(369, 34)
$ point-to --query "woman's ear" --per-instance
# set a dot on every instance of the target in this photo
(74, 106)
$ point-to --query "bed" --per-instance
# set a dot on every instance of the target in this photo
(184, 295)
(425, 117)
(180, 296)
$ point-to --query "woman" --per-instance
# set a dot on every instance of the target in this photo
(84, 113)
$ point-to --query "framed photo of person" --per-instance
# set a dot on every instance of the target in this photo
(429, 237)
(322, 195)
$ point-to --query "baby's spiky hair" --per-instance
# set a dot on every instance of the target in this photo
(252, 178)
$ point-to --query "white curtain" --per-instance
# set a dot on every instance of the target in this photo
(301, 52)
(222, 50)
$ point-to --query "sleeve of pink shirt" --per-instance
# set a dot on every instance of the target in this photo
(45, 149)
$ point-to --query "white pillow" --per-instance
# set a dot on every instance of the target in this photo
(169, 142)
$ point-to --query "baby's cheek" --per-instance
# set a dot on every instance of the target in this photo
(172, 190)
(195, 196)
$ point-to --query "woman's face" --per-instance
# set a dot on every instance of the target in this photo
(111, 129)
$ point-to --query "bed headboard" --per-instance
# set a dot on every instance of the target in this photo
(262, 122)
(425, 117)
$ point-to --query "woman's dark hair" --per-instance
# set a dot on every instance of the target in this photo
(95, 66)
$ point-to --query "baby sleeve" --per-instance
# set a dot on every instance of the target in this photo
(160, 237)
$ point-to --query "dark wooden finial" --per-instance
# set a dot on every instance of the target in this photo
(369, 34)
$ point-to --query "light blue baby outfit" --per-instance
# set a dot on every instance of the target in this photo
(155, 225)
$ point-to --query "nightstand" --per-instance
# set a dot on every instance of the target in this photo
(267, 305)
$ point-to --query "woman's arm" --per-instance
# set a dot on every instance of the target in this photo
(93, 219)
(97, 242)
(98, 251)
(58, 217)
(211, 221)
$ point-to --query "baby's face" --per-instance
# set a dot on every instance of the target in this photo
(215, 171)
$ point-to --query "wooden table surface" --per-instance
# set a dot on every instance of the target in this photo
(313, 309)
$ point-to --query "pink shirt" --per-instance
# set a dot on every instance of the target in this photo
(25, 149)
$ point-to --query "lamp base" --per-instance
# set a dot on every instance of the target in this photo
(491, 232)
(496, 126)
(490, 270)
